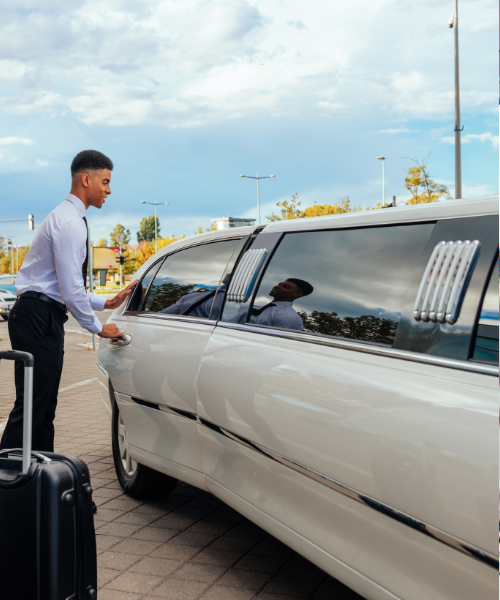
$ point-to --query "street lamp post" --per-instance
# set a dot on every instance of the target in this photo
(155, 204)
(120, 238)
(258, 191)
(382, 158)
(453, 24)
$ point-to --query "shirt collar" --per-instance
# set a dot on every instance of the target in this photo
(281, 303)
(80, 206)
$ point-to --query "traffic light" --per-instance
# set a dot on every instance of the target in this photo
(120, 260)
(31, 222)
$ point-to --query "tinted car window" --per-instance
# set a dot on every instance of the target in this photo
(486, 342)
(351, 283)
(139, 294)
(187, 281)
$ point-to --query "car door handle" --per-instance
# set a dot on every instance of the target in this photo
(122, 341)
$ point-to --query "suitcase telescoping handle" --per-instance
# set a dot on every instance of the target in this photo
(27, 358)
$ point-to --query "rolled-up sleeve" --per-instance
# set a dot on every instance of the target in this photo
(67, 247)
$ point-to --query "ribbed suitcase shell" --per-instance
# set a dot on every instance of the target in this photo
(47, 537)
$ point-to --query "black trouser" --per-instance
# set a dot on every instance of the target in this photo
(36, 326)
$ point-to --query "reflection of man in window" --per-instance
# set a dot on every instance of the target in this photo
(199, 304)
(280, 312)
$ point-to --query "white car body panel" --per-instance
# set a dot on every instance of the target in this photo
(369, 422)
(376, 556)
(418, 438)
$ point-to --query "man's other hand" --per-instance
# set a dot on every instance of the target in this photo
(120, 298)
(111, 331)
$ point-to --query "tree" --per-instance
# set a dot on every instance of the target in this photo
(146, 231)
(102, 243)
(422, 188)
(213, 227)
(120, 229)
(337, 208)
(291, 210)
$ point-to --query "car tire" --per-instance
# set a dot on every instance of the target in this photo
(5, 317)
(136, 480)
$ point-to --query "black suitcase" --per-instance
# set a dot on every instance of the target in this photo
(47, 537)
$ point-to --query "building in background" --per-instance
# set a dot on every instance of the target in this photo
(5, 245)
(230, 222)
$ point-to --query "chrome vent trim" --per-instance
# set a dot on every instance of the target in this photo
(445, 281)
(245, 275)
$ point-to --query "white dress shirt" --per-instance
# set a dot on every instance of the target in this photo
(282, 315)
(53, 265)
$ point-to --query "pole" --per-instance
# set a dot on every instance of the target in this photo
(156, 234)
(383, 182)
(458, 154)
(17, 259)
(258, 199)
(91, 278)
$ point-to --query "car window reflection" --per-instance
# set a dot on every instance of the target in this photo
(188, 281)
(354, 282)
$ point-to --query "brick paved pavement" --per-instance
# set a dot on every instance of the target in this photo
(188, 546)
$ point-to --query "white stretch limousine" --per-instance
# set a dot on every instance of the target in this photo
(333, 379)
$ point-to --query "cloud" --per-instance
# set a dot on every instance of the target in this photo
(201, 61)
(472, 137)
(41, 163)
(13, 140)
(398, 130)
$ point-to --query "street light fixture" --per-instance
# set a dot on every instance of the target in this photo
(258, 191)
(382, 158)
(155, 204)
(453, 24)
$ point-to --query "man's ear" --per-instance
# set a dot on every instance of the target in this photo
(85, 179)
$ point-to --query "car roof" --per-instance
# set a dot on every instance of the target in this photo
(418, 212)
(400, 214)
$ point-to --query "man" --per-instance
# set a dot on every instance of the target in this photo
(280, 312)
(52, 281)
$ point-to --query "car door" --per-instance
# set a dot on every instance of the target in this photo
(153, 377)
(364, 432)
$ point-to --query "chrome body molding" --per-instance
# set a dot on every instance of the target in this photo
(393, 513)
(166, 317)
(367, 348)
(101, 368)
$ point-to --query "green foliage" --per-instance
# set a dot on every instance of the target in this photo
(120, 229)
(365, 327)
(291, 209)
(146, 231)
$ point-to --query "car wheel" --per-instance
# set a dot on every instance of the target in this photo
(5, 317)
(136, 480)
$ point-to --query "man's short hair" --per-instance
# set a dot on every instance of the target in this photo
(304, 287)
(90, 160)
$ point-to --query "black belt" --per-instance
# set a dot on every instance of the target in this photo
(45, 298)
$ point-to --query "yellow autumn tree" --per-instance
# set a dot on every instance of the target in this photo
(213, 227)
(423, 189)
(291, 209)
(337, 208)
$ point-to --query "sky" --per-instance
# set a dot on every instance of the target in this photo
(186, 95)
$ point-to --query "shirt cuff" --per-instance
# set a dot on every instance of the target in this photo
(96, 326)
(96, 302)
